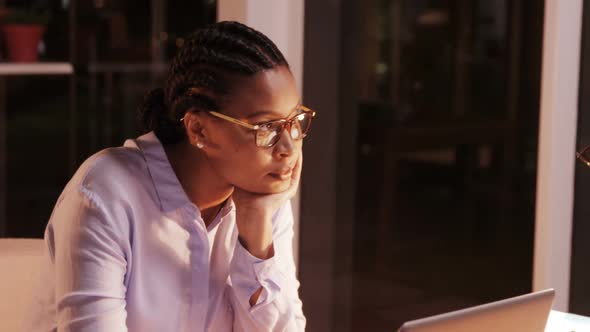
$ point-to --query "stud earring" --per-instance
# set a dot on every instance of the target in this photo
(199, 145)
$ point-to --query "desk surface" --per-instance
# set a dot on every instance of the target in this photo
(563, 322)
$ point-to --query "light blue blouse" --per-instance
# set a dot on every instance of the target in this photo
(128, 251)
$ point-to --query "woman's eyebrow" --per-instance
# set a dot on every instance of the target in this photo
(261, 113)
(268, 112)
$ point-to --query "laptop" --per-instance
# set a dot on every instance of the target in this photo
(526, 313)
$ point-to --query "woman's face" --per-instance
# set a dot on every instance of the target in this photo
(231, 148)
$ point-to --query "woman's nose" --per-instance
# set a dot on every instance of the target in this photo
(286, 144)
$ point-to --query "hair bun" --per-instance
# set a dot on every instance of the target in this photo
(154, 115)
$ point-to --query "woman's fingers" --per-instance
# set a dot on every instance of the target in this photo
(295, 177)
(298, 167)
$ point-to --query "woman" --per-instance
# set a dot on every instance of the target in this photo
(188, 227)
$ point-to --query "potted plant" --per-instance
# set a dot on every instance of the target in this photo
(22, 30)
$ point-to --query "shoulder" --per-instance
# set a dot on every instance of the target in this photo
(96, 209)
(112, 172)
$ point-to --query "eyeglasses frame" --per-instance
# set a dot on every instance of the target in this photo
(258, 126)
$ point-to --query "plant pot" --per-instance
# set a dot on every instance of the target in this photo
(22, 41)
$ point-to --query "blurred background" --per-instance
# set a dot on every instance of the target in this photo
(447, 126)
(430, 180)
(119, 50)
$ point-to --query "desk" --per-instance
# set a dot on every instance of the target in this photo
(563, 322)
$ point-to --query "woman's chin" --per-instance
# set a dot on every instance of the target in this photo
(274, 185)
(267, 186)
(272, 189)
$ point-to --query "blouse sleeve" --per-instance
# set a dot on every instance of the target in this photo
(89, 256)
(279, 307)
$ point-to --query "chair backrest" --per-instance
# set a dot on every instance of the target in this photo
(20, 263)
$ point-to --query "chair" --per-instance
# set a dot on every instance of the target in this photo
(20, 263)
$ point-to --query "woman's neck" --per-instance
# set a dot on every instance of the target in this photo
(202, 184)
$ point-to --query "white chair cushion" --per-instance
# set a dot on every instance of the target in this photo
(20, 265)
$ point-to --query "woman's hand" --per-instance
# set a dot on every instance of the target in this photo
(254, 214)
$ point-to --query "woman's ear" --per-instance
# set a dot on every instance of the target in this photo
(194, 123)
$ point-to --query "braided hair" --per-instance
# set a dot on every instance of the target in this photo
(208, 59)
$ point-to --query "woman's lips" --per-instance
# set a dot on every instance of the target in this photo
(283, 174)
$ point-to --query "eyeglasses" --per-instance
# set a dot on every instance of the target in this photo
(584, 155)
(267, 134)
